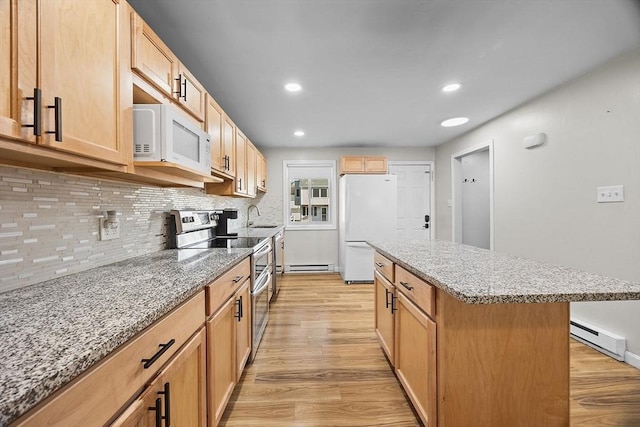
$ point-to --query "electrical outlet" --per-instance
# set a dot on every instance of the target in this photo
(614, 193)
(109, 230)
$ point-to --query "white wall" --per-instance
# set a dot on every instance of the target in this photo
(316, 247)
(545, 198)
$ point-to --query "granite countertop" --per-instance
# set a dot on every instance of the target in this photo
(53, 331)
(479, 276)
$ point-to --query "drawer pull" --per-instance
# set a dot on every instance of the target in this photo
(37, 113)
(157, 408)
(379, 264)
(239, 314)
(406, 285)
(167, 405)
(57, 118)
(237, 279)
(163, 348)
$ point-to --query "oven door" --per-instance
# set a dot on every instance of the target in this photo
(260, 309)
(261, 262)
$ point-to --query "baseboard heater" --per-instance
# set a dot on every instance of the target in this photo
(309, 268)
(604, 341)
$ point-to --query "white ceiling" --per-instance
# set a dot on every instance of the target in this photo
(372, 69)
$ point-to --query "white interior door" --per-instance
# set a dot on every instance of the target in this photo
(414, 199)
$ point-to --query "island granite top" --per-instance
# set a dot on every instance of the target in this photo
(480, 276)
(53, 331)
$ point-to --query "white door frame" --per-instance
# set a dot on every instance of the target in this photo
(456, 190)
(432, 192)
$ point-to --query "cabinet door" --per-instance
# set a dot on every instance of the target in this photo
(243, 327)
(79, 66)
(384, 312)
(229, 146)
(251, 169)
(151, 58)
(241, 162)
(415, 357)
(221, 359)
(351, 164)
(18, 47)
(190, 94)
(143, 411)
(262, 172)
(375, 164)
(213, 126)
(183, 385)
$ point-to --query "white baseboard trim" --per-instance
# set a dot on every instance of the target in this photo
(632, 359)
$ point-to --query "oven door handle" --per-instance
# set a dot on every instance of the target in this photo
(266, 250)
(261, 284)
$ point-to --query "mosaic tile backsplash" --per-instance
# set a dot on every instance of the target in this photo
(49, 222)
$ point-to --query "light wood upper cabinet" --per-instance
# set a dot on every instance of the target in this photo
(151, 58)
(251, 171)
(261, 172)
(190, 93)
(69, 51)
(241, 163)
(80, 67)
(363, 164)
(156, 63)
(222, 132)
(18, 47)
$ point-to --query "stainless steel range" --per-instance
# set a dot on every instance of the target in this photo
(209, 229)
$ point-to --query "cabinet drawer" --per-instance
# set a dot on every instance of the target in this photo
(384, 266)
(417, 290)
(99, 394)
(226, 285)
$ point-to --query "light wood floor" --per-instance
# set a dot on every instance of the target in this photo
(320, 364)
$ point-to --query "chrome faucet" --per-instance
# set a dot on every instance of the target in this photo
(249, 210)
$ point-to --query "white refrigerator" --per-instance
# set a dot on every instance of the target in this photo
(367, 211)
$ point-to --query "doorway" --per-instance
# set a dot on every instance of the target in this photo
(415, 198)
(472, 189)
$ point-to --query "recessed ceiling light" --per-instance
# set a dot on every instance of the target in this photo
(456, 121)
(451, 87)
(299, 133)
(293, 87)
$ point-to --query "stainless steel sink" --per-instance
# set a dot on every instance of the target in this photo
(264, 226)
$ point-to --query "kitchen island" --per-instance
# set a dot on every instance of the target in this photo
(479, 337)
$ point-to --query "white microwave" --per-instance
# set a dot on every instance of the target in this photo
(162, 133)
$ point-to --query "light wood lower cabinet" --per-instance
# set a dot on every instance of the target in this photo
(98, 395)
(415, 357)
(474, 364)
(177, 396)
(228, 336)
(385, 296)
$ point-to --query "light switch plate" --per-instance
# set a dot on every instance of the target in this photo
(109, 231)
(614, 193)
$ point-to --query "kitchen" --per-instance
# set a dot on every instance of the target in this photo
(576, 116)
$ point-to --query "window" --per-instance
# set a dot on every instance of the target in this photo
(311, 188)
